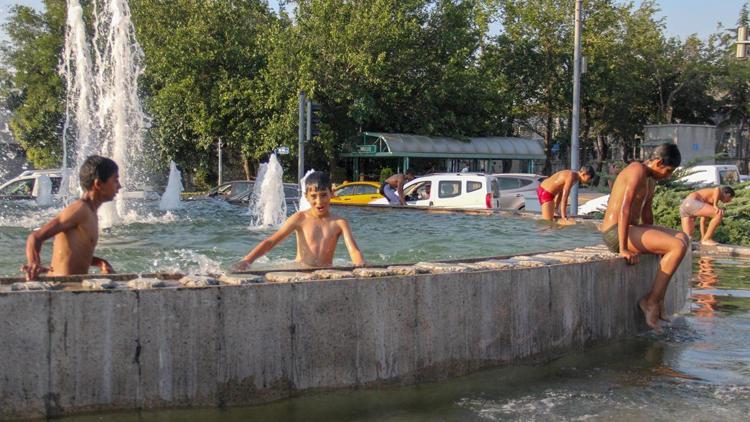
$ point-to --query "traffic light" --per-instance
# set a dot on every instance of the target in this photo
(313, 120)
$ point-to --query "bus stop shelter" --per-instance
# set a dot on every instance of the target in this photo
(479, 154)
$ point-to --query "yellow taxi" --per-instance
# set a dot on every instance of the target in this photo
(356, 193)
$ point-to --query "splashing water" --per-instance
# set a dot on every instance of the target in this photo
(43, 191)
(103, 114)
(268, 203)
(303, 203)
(171, 198)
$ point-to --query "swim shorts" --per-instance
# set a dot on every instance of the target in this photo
(612, 239)
(543, 195)
(690, 206)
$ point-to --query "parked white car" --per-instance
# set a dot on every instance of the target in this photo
(516, 189)
(451, 190)
(713, 175)
(26, 185)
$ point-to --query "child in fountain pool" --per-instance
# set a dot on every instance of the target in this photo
(704, 203)
(76, 228)
(317, 230)
(628, 225)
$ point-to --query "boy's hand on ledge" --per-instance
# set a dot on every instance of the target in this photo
(33, 270)
(239, 266)
(630, 257)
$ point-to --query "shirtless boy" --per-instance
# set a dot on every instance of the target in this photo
(628, 225)
(76, 228)
(317, 230)
(393, 187)
(704, 203)
(553, 192)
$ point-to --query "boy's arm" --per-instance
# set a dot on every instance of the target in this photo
(564, 200)
(647, 215)
(66, 220)
(716, 194)
(267, 244)
(351, 245)
(401, 191)
(623, 220)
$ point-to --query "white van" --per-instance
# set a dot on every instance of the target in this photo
(712, 175)
(451, 190)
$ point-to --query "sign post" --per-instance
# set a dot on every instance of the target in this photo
(301, 133)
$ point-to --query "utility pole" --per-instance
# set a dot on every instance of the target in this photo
(301, 133)
(574, 145)
(220, 162)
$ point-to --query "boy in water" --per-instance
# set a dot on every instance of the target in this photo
(76, 228)
(317, 230)
(628, 229)
(393, 187)
(704, 203)
(553, 192)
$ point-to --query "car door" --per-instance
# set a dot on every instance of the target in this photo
(449, 193)
(364, 193)
(20, 189)
(345, 195)
(510, 197)
(419, 193)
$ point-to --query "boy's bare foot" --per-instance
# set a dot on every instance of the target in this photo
(651, 312)
(709, 242)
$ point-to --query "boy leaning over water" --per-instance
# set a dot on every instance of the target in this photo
(76, 228)
(704, 203)
(317, 230)
(628, 225)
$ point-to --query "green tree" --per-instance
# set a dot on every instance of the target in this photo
(33, 89)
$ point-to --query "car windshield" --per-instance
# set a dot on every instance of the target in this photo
(729, 177)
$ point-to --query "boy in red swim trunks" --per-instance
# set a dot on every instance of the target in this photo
(553, 192)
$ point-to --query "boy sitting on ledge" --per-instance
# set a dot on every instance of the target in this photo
(317, 230)
(76, 228)
(628, 225)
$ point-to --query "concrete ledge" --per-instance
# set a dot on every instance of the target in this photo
(67, 352)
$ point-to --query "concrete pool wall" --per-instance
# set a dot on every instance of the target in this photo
(67, 352)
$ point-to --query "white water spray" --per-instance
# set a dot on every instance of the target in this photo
(102, 98)
(171, 198)
(268, 202)
(303, 204)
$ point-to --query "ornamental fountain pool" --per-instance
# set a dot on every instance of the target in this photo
(209, 235)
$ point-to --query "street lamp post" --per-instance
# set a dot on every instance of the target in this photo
(574, 145)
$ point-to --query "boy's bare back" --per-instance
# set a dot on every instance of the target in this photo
(556, 183)
(73, 248)
(634, 178)
(707, 195)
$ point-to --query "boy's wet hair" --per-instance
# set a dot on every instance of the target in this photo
(727, 191)
(318, 180)
(668, 153)
(96, 167)
(588, 170)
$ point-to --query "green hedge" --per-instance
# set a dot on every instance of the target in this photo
(735, 229)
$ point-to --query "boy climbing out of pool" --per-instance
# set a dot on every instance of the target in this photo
(628, 225)
(553, 192)
(393, 187)
(317, 230)
(704, 203)
(76, 228)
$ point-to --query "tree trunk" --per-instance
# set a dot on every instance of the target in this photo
(246, 167)
(601, 156)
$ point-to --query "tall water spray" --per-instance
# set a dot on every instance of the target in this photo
(103, 112)
(268, 202)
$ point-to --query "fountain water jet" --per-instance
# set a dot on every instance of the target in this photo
(171, 198)
(268, 202)
(102, 98)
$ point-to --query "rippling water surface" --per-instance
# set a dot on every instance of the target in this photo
(209, 235)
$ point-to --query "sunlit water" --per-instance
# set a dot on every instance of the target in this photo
(699, 370)
(210, 235)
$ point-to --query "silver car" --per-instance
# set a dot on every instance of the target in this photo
(515, 188)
